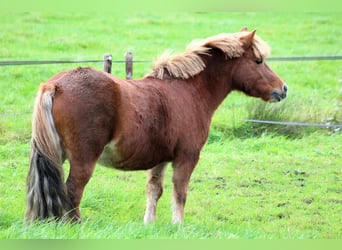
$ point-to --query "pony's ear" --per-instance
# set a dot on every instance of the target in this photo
(247, 40)
(243, 29)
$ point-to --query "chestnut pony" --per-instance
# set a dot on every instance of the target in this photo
(88, 116)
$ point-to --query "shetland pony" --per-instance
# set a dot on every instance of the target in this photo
(88, 116)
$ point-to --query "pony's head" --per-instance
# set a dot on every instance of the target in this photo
(252, 75)
(244, 55)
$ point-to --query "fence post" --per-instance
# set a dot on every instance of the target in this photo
(107, 63)
(129, 65)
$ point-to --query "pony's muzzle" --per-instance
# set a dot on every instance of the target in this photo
(278, 95)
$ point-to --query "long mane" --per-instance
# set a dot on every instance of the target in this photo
(189, 63)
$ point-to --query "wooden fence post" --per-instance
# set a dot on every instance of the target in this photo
(129, 65)
(107, 63)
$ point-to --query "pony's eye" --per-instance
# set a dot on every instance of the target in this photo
(259, 61)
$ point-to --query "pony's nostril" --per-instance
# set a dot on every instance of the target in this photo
(285, 88)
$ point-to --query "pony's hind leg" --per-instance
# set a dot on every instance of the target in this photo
(79, 176)
(154, 190)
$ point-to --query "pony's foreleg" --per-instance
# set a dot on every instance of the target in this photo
(79, 176)
(182, 170)
(154, 190)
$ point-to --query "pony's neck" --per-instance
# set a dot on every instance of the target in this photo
(214, 83)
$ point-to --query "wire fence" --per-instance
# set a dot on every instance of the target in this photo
(44, 62)
(107, 61)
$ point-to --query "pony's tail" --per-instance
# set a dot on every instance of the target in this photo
(46, 195)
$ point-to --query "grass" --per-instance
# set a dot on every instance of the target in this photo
(252, 182)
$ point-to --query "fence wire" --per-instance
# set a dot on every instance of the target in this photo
(42, 62)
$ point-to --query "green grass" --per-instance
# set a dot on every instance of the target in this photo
(252, 182)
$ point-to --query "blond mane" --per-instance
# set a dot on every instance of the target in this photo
(190, 63)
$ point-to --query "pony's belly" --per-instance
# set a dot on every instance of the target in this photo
(109, 157)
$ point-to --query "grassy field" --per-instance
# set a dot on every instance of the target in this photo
(252, 182)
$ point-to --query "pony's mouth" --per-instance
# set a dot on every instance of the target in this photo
(277, 96)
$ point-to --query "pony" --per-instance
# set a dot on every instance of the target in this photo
(88, 116)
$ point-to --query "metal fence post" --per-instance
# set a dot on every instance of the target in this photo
(107, 63)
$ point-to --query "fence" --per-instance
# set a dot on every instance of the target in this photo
(107, 67)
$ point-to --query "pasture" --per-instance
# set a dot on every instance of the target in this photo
(253, 181)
